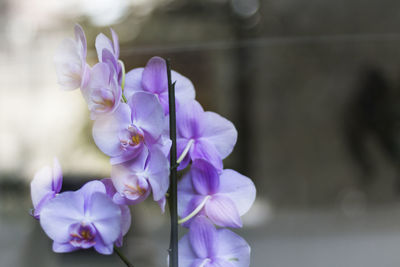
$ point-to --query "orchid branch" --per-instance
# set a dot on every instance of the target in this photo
(173, 191)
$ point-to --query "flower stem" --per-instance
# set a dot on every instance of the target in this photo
(173, 190)
(122, 257)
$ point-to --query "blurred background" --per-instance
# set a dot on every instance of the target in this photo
(313, 87)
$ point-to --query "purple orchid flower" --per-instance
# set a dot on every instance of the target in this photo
(125, 211)
(153, 79)
(45, 185)
(102, 92)
(204, 135)
(135, 180)
(82, 219)
(103, 43)
(223, 198)
(206, 246)
(70, 61)
(131, 129)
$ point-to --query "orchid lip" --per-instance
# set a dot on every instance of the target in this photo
(82, 235)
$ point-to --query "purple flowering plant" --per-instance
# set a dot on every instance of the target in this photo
(131, 113)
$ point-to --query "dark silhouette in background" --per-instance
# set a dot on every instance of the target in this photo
(373, 115)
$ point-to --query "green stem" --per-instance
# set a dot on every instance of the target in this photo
(122, 257)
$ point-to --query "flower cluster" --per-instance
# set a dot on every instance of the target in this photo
(130, 112)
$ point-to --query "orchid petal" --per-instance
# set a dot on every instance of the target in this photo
(105, 216)
(115, 43)
(203, 149)
(186, 254)
(222, 211)
(102, 42)
(106, 249)
(147, 114)
(110, 189)
(154, 77)
(187, 118)
(203, 238)
(106, 130)
(158, 173)
(68, 65)
(205, 177)
(81, 40)
(57, 176)
(41, 185)
(161, 203)
(239, 189)
(133, 82)
(185, 194)
(233, 247)
(63, 247)
(220, 263)
(184, 89)
(88, 189)
(61, 212)
(220, 132)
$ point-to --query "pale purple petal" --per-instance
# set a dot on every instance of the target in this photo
(233, 247)
(41, 185)
(157, 171)
(220, 132)
(188, 118)
(131, 185)
(110, 189)
(70, 61)
(126, 219)
(106, 130)
(102, 92)
(222, 211)
(184, 89)
(81, 40)
(200, 263)
(129, 155)
(205, 177)
(106, 217)
(104, 249)
(68, 65)
(238, 188)
(102, 42)
(161, 203)
(60, 213)
(154, 77)
(115, 42)
(220, 263)
(133, 82)
(88, 189)
(203, 238)
(186, 254)
(63, 247)
(203, 149)
(109, 58)
(57, 176)
(147, 114)
(185, 193)
(42, 202)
